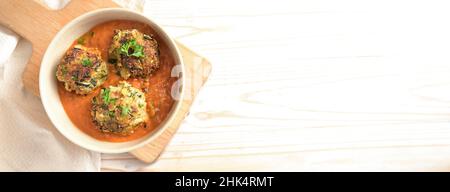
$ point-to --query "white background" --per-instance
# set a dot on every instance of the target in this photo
(312, 86)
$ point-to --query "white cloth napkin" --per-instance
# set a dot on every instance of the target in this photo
(29, 141)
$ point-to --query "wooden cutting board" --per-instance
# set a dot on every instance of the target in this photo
(34, 21)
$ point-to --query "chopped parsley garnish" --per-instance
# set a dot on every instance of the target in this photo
(104, 93)
(111, 114)
(86, 62)
(125, 110)
(64, 69)
(131, 48)
(81, 40)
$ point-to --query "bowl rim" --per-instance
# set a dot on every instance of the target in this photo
(161, 127)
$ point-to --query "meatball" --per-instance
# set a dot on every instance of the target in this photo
(134, 53)
(119, 109)
(82, 69)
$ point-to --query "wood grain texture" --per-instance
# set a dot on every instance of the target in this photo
(311, 86)
(33, 18)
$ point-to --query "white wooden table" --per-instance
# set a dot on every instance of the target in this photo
(317, 85)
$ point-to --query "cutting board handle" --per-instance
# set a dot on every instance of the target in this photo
(37, 23)
(33, 20)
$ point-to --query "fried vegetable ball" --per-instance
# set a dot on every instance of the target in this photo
(82, 69)
(134, 53)
(119, 109)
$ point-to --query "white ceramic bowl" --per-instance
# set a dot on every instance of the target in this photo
(48, 83)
